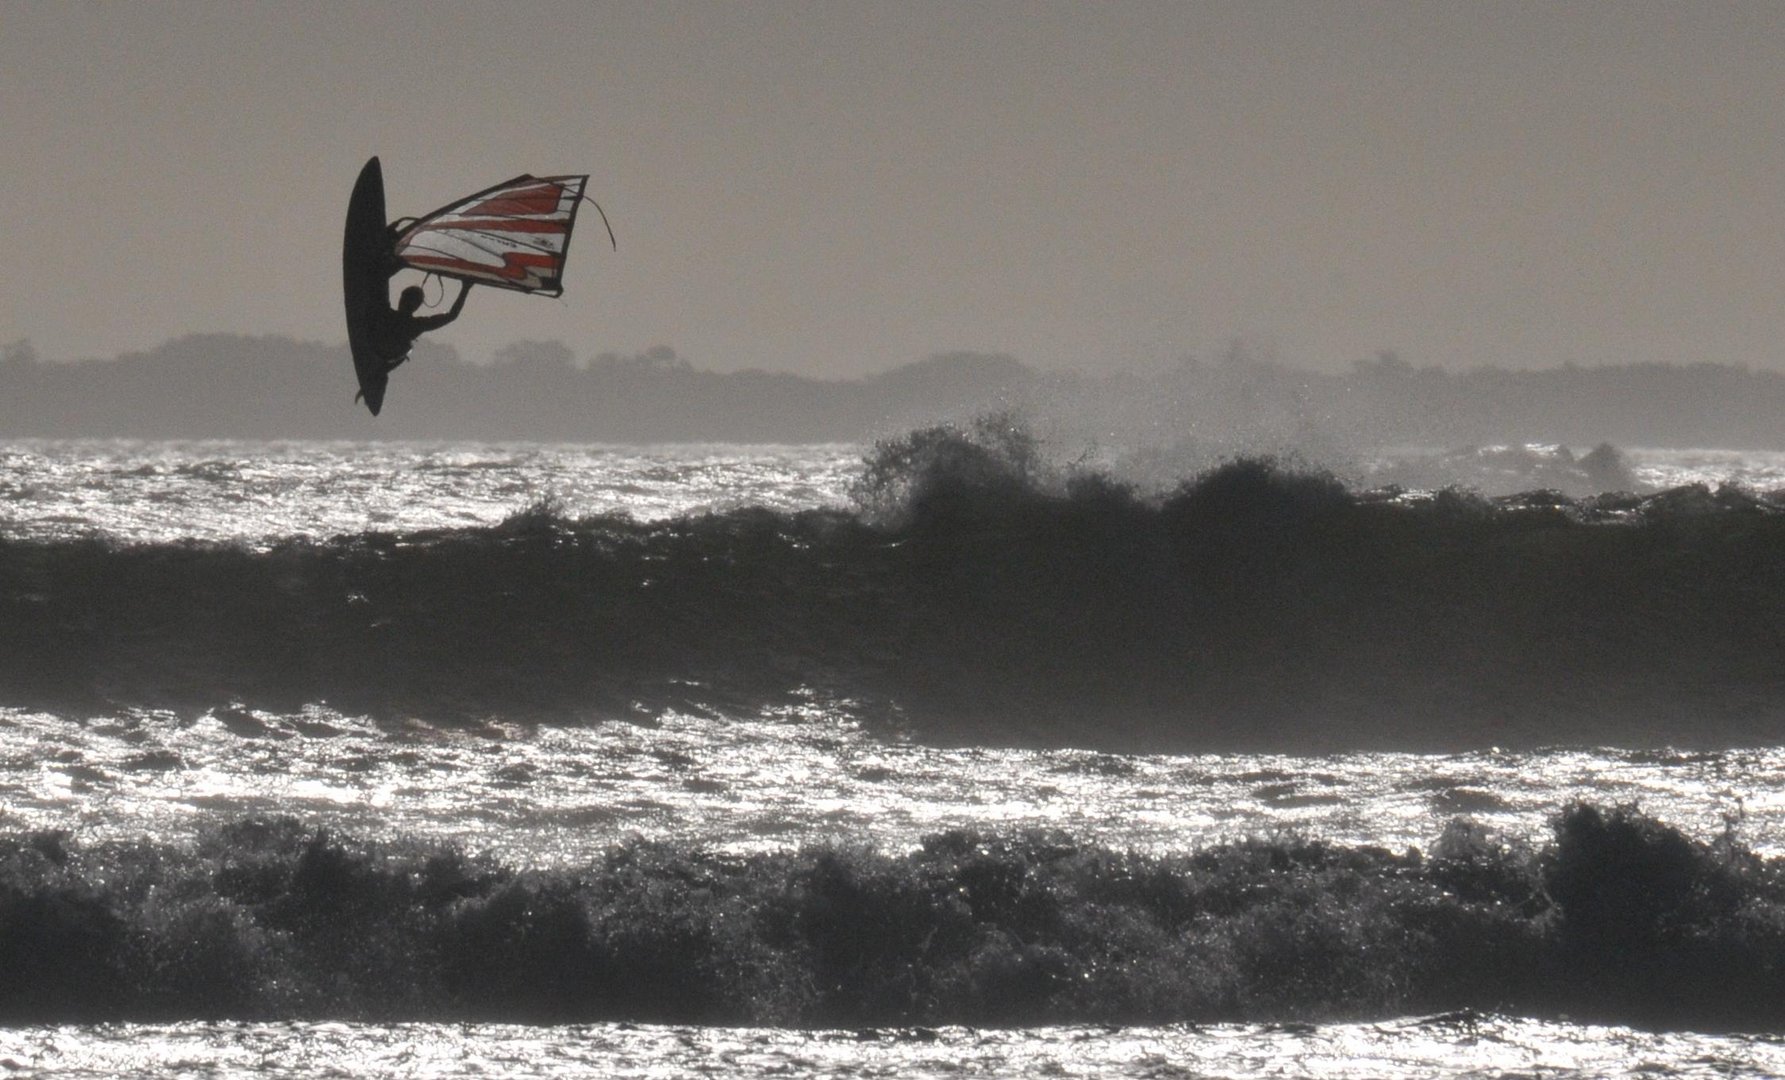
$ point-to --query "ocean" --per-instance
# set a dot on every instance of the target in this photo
(928, 759)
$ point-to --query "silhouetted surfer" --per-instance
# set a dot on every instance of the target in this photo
(394, 330)
(391, 333)
(513, 236)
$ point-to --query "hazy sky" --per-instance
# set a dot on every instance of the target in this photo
(836, 188)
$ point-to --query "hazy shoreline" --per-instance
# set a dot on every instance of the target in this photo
(225, 386)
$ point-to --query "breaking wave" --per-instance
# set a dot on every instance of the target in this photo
(1618, 918)
(976, 595)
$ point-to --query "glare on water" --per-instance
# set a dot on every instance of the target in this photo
(557, 795)
(1460, 1045)
(253, 492)
(224, 491)
(818, 772)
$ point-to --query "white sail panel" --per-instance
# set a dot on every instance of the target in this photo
(514, 235)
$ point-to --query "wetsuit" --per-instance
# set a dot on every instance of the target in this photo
(394, 331)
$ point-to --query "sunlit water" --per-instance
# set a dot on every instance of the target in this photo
(555, 796)
(155, 491)
(1757, 470)
(219, 490)
(1437, 1047)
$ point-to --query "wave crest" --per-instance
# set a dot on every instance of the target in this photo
(980, 594)
(1621, 919)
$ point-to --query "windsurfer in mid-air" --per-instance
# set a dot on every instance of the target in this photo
(394, 330)
(512, 236)
(397, 328)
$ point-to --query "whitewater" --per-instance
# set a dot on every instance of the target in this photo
(553, 760)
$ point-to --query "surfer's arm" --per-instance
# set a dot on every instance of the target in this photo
(435, 322)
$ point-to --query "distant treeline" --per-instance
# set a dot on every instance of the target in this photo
(226, 386)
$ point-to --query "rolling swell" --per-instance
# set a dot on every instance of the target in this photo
(1619, 918)
(975, 597)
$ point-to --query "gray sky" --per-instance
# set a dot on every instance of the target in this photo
(837, 188)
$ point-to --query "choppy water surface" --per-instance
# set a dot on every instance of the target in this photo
(154, 491)
(553, 796)
(1458, 1046)
(559, 796)
(1759, 470)
(216, 490)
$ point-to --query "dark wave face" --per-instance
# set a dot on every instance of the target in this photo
(1619, 918)
(973, 599)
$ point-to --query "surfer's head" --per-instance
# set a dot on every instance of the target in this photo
(409, 300)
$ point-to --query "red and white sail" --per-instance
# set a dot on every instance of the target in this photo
(514, 235)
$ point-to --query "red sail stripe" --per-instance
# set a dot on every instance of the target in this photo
(533, 186)
(537, 200)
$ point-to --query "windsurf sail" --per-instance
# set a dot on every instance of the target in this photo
(514, 235)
